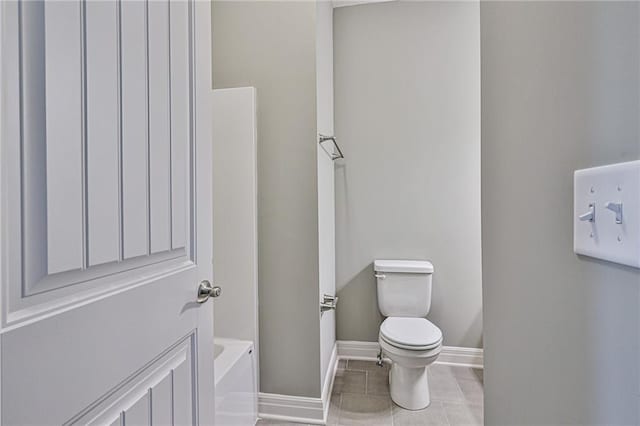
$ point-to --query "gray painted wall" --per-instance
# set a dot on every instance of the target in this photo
(560, 91)
(272, 46)
(407, 114)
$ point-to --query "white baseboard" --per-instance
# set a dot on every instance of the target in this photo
(450, 355)
(463, 357)
(287, 408)
(349, 349)
(328, 381)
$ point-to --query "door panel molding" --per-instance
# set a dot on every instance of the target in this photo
(25, 311)
(135, 130)
(78, 227)
(175, 368)
(85, 301)
(64, 122)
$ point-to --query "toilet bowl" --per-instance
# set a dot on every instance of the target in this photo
(411, 344)
(406, 337)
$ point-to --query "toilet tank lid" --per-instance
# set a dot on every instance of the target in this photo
(406, 266)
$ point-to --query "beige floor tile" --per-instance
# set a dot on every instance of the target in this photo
(334, 410)
(361, 397)
(433, 415)
(350, 381)
(472, 390)
(468, 373)
(377, 383)
(445, 388)
(459, 414)
(438, 370)
(365, 410)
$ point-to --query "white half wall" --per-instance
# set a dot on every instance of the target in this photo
(235, 214)
(326, 200)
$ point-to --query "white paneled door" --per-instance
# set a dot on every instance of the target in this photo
(105, 212)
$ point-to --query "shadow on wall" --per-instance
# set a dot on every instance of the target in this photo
(359, 305)
(473, 332)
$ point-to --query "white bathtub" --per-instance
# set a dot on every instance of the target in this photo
(236, 383)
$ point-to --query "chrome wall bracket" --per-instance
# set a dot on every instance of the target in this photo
(328, 302)
(334, 151)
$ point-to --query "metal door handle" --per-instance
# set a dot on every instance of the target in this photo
(207, 290)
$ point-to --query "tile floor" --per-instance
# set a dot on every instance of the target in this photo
(361, 397)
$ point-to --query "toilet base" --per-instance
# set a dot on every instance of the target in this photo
(409, 387)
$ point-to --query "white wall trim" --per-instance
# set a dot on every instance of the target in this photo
(300, 409)
(463, 357)
(343, 3)
(350, 349)
(450, 355)
(289, 408)
(328, 381)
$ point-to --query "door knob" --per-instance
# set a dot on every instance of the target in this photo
(207, 290)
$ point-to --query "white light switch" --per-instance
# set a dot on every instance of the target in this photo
(607, 213)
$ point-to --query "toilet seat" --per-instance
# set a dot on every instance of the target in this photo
(409, 358)
(417, 334)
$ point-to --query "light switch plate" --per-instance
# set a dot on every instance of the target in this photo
(603, 238)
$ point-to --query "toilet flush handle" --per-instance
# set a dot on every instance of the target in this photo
(380, 276)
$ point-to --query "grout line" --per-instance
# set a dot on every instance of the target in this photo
(393, 422)
(366, 383)
(444, 412)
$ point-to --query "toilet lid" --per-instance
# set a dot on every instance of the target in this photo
(415, 333)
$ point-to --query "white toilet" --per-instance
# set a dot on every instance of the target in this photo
(406, 337)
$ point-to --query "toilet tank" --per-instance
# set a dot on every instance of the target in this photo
(404, 287)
